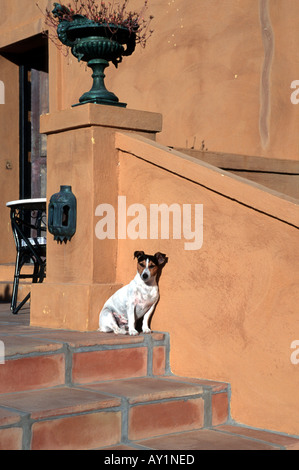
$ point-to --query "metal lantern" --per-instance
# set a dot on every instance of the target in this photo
(62, 214)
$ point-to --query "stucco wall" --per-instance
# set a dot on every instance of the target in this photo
(219, 72)
(20, 20)
(231, 307)
(9, 155)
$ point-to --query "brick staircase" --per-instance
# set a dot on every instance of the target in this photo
(69, 390)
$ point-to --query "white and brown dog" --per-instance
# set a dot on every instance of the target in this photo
(135, 300)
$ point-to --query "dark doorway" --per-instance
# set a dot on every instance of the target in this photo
(31, 55)
(39, 84)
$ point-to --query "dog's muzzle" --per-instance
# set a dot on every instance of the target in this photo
(144, 276)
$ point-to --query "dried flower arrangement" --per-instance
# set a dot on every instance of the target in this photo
(112, 14)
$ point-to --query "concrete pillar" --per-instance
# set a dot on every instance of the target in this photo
(81, 274)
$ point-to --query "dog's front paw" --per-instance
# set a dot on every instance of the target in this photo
(133, 332)
(146, 330)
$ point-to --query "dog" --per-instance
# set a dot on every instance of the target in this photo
(134, 300)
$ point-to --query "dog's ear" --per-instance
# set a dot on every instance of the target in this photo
(160, 257)
(137, 254)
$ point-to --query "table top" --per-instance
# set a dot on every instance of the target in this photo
(37, 203)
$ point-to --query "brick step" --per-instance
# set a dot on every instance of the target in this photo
(159, 405)
(107, 413)
(224, 437)
(60, 381)
(128, 414)
(40, 358)
(62, 389)
(58, 418)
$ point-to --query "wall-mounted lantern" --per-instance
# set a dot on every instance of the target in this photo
(62, 214)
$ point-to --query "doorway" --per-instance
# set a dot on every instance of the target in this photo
(31, 57)
(34, 101)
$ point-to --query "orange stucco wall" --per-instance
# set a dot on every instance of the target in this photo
(219, 72)
(9, 154)
(231, 307)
